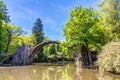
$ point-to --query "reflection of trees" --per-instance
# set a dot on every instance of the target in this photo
(85, 74)
(106, 76)
(51, 73)
(38, 73)
(45, 75)
(78, 72)
(68, 72)
(4, 76)
(58, 73)
(20, 73)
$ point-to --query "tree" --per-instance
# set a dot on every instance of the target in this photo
(52, 49)
(38, 33)
(12, 32)
(58, 46)
(46, 48)
(3, 18)
(83, 29)
(4, 12)
(19, 41)
(110, 13)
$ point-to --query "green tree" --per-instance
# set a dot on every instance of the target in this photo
(83, 29)
(2, 15)
(58, 46)
(53, 49)
(110, 13)
(46, 48)
(38, 33)
(50, 48)
(65, 49)
(3, 18)
(11, 33)
(19, 41)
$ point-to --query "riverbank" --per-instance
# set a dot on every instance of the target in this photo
(59, 63)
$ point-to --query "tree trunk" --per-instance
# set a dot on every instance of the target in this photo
(8, 43)
(24, 55)
(89, 54)
(85, 58)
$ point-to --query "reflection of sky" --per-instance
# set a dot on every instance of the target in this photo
(54, 14)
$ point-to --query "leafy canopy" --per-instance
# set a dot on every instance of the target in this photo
(84, 26)
(110, 13)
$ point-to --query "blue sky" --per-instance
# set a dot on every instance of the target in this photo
(53, 13)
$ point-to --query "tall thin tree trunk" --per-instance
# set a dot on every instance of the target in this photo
(8, 44)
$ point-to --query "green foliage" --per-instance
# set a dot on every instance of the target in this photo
(64, 48)
(46, 48)
(50, 48)
(11, 32)
(11, 37)
(58, 46)
(3, 12)
(53, 49)
(110, 13)
(109, 57)
(2, 38)
(3, 17)
(38, 33)
(84, 26)
(21, 40)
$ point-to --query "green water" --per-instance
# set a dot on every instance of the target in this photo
(54, 72)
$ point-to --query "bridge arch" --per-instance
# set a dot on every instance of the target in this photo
(24, 55)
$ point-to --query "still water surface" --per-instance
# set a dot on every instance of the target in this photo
(54, 72)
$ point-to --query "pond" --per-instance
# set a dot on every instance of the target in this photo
(53, 72)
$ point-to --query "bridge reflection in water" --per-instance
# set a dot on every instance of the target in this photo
(66, 72)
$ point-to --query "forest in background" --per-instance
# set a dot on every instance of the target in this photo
(86, 31)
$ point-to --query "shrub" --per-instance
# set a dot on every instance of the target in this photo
(109, 57)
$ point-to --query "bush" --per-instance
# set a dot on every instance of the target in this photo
(109, 57)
